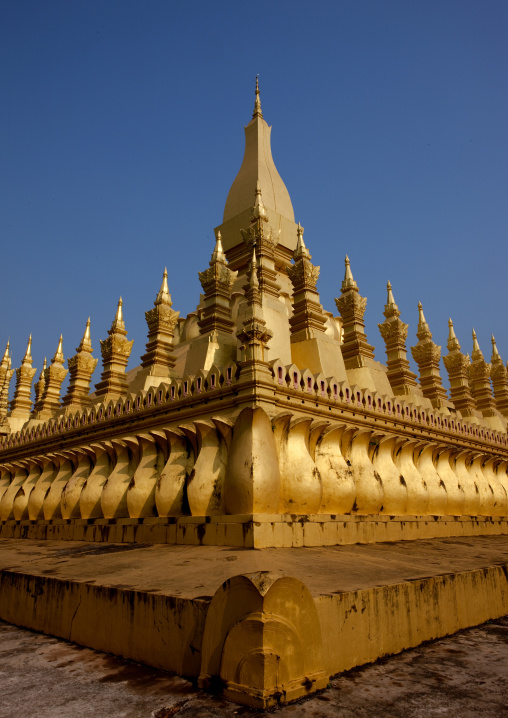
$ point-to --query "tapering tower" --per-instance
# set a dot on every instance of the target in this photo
(159, 359)
(115, 350)
(499, 376)
(22, 403)
(457, 365)
(427, 354)
(394, 333)
(5, 379)
(355, 348)
(258, 177)
(81, 367)
(39, 387)
(217, 282)
(53, 376)
(479, 381)
(308, 318)
(253, 335)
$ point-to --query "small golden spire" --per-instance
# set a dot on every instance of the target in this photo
(476, 346)
(301, 249)
(254, 282)
(495, 354)
(258, 210)
(349, 282)
(28, 353)
(59, 357)
(391, 308)
(257, 104)
(163, 297)
(423, 328)
(6, 356)
(390, 299)
(118, 322)
(44, 366)
(453, 342)
(218, 253)
(86, 343)
(422, 322)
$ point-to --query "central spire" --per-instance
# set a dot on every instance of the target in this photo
(258, 168)
(257, 105)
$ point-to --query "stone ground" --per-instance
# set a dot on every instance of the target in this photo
(464, 675)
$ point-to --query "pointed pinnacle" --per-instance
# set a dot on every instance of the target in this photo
(421, 315)
(86, 342)
(59, 357)
(28, 353)
(453, 342)
(301, 249)
(118, 322)
(349, 282)
(44, 366)
(258, 210)
(423, 331)
(164, 297)
(218, 253)
(495, 353)
(6, 358)
(390, 299)
(257, 104)
(253, 279)
(476, 346)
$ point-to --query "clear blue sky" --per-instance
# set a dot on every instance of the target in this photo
(122, 131)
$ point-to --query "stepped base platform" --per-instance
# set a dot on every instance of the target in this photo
(260, 627)
(258, 530)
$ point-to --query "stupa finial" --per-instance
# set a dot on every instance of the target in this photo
(28, 353)
(86, 342)
(254, 282)
(349, 282)
(495, 352)
(118, 322)
(258, 210)
(257, 104)
(453, 342)
(6, 354)
(218, 253)
(301, 249)
(390, 298)
(391, 309)
(477, 352)
(164, 297)
(59, 357)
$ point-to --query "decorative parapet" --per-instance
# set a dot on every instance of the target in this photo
(479, 381)
(355, 348)
(427, 354)
(394, 333)
(346, 461)
(81, 367)
(457, 366)
(499, 376)
(115, 350)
